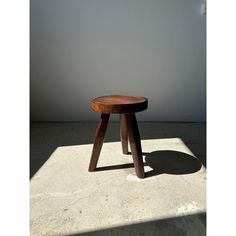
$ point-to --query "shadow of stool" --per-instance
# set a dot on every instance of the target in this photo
(171, 162)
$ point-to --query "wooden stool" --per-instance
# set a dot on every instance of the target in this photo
(126, 106)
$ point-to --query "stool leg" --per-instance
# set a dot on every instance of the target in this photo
(135, 144)
(98, 141)
(124, 134)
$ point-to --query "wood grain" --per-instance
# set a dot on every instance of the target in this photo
(135, 144)
(119, 104)
(124, 134)
(98, 141)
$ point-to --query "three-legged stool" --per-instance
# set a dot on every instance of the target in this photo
(126, 106)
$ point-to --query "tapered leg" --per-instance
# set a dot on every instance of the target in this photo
(135, 144)
(98, 141)
(124, 134)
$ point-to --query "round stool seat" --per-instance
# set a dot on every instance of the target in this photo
(119, 104)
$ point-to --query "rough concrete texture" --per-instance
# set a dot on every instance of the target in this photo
(68, 200)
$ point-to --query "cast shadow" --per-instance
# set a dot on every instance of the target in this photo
(194, 224)
(171, 162)
(163, 162)
(115, 167)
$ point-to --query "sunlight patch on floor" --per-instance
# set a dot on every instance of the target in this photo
(66, 198)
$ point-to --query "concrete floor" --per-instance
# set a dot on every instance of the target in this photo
(65, 199)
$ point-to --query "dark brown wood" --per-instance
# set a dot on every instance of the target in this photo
(135, 144)
(119, 104)
(124, 134)
(98, 141)
(126, 106)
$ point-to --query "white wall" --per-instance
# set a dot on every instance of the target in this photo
(81, 49)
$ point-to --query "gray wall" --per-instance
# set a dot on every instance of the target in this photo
(81, 49)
